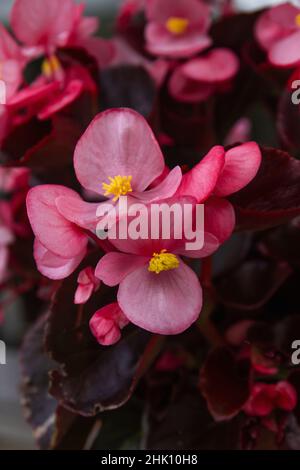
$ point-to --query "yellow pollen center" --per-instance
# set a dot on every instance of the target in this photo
(50, 66)
(297, 20)
(118, 186)
(177, 25)
(163, 261)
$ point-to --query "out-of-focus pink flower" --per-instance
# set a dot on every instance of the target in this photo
(45, 26)
(87, 284)
(199, 78)
(177, 28)
(157, 290)
(106, 324)
(60, 244)
(278, 32)
(118, 155)
(169, 361)
(55, 89)
(268, 397)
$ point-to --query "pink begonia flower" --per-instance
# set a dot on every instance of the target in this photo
(265, 398)
(177, 28)
(199, 78)
(87, 284)
(55, 89)
(60, 245)
(278, 32)
(118, 155)
(157, 290)
(45, 26)
(106, 324)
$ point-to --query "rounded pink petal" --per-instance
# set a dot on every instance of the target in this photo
(114, 267)
(166, 303)
(11, 74)
(53, 266)
(181, 88)
(286, 53)
(81, 213)
(118, 142)
(193, 10)
(164, 190)
(48, 22)
(274, 24)
(211, 244)
(53, 230)
(219, 218)
(200, 182)
(62, 99)
(161, 42)
(217, 66)
(241, 166)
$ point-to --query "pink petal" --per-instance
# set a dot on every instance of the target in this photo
(48, 23)
(181, 88)
(9, 49)
(219, 218)
(69, 94)
(285, 53)
(103, 50)
(200, 182)
(275, 24)
(83, 293)
(78, 211)
(241, 166)
(54, 266)
(192, 10)
(219, 65)
(211, 244)
(161, 42)
(114, 267)
(11, 74)
(166, 303)
(286, 398)
(118, 142)
(164, 190)
(53, 230)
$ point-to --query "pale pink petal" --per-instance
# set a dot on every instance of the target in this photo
(54, 266)
(219, 65)
(286, 53)
(114, 267)
(9, 49)
(166, 303)
(69, 94)
(186, 90)
(11, 74)
(81, 213)
(200, 182)
(48, 23)
(164, 190)
(241, 166)
(193, 10)
(211, 244)
(219, 218)
(118, 142)
(106, 324)
(160, 42)
(53, 230)
(83, 293)
(274, 24)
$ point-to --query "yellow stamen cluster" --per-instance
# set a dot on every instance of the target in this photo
(177, 25)
(297, 20)
(118, 186)
(50, 66)
(163, 261)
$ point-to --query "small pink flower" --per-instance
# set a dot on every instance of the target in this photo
(157, 290)
(118, 155)
(106, 324)
(177, 28)
(199, 78)
(278, 32)
(87, 284)
(267, 397)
